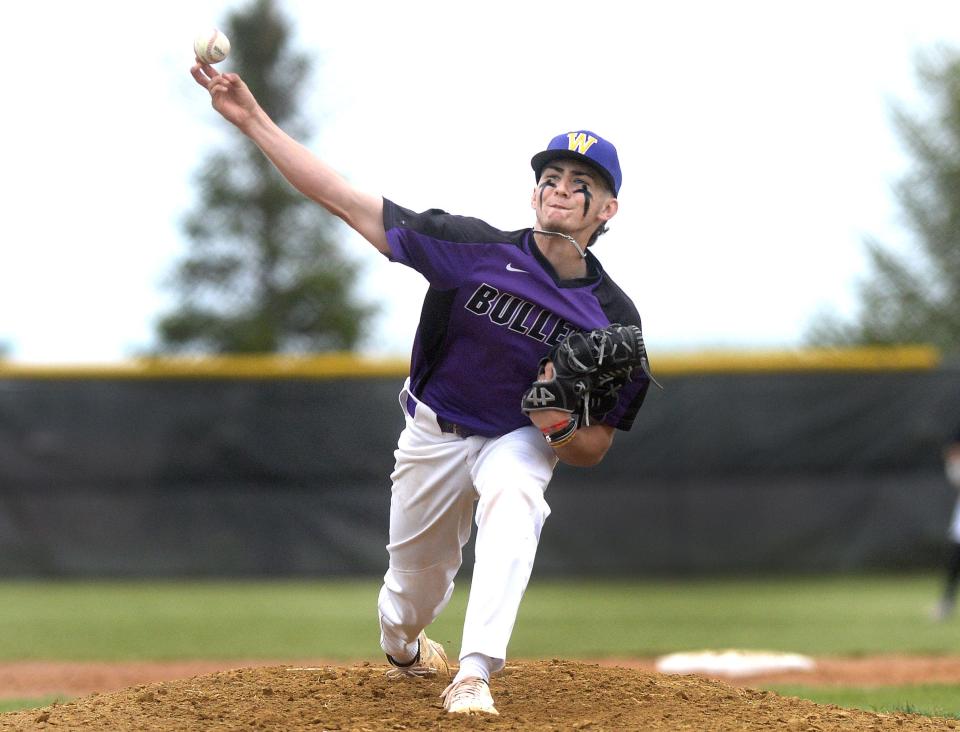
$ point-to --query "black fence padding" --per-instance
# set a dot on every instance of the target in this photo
(781, 472)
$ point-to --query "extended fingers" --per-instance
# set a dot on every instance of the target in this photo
(212, 81)
(204, 73)
(196, 71)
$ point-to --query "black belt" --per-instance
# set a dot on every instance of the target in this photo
(452, 428)
(445, 425)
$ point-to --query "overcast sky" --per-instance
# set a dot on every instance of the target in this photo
(755, 141)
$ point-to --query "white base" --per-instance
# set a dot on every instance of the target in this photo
(733, 662)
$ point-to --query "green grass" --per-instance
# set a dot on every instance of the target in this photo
(932, 700)
(576, 619)
(337, 620)
(15, 705)
(182, 620)
(839, 615)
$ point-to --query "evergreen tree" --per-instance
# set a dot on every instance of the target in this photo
(264, 272)
(915, 297)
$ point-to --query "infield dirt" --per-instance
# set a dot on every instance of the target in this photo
(534, 695)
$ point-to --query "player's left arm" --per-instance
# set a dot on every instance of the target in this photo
(579, 382)
(588, 445)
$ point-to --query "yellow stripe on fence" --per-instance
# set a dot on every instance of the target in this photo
(320, 366)
(887, 358)
(346, 365)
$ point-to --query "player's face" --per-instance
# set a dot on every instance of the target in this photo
(571, 198)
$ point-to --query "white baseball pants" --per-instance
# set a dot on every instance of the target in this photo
(955, 523)
(436, 481)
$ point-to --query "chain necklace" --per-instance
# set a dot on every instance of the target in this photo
(580, 251)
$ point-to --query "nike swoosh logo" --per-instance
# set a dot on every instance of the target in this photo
(511, 268)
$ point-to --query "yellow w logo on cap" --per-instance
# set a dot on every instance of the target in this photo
(580, 141)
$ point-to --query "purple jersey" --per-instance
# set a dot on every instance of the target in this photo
(494, 308)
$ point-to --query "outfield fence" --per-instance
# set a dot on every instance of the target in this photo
(264, 466)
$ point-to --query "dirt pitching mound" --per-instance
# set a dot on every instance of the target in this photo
(537, 695)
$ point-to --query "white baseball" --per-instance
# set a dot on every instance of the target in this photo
(212, 46)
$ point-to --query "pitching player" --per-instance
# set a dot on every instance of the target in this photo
(478, 437)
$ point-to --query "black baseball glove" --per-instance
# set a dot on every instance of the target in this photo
(589, 369)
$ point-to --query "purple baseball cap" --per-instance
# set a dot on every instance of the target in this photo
(583, 145)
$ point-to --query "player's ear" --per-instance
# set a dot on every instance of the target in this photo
(533, 199)
(609, 209)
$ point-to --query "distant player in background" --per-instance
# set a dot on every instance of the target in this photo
(497, 303)
(951, 464)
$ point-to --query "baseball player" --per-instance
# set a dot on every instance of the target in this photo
(951, 463)
(489, 404)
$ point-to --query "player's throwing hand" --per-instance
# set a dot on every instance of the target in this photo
(229, 95)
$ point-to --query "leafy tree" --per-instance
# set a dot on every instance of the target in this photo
(915, 297)
(264, 272)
